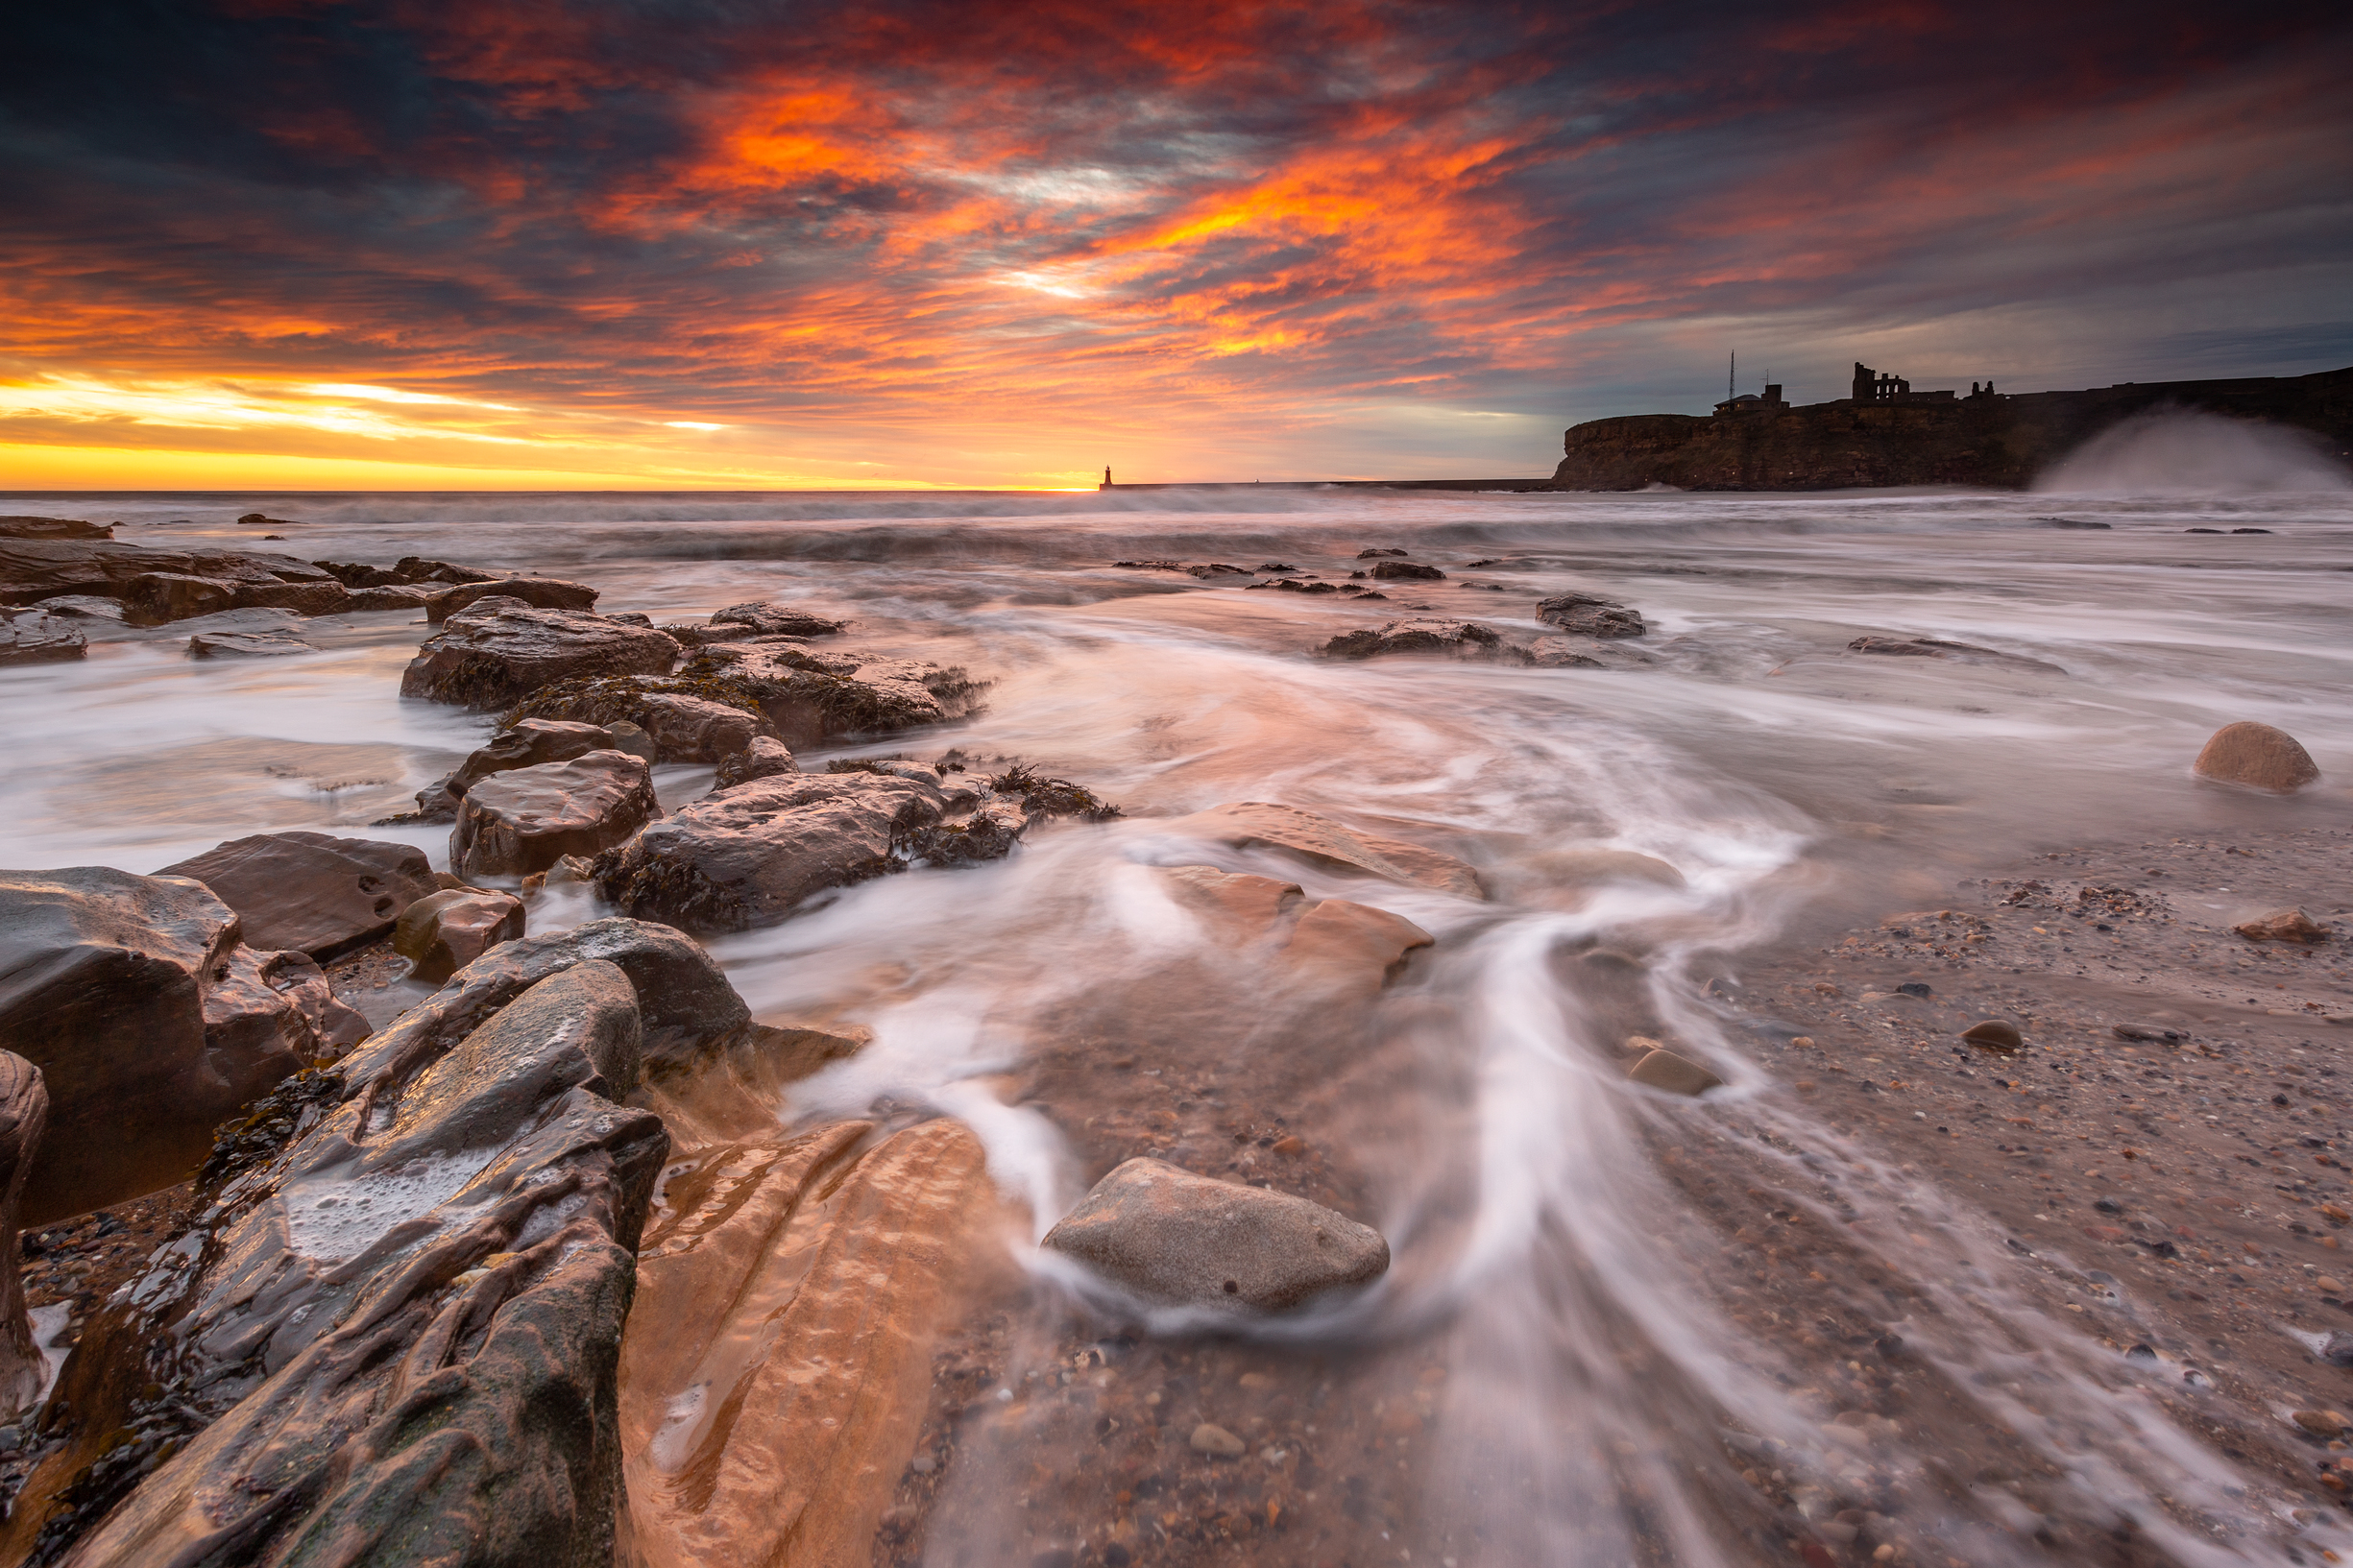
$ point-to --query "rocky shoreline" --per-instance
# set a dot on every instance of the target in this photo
(530, 1271)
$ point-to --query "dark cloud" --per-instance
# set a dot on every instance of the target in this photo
(1159, 223)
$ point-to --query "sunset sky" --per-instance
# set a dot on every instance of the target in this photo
(421, 245)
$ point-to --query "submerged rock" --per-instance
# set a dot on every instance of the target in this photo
(1178, 1239)
(442, 932)
(245, 646)
(1930, 647)
(1586, 615)
(1663, 1070)
(150, 1022)
(447, 1243)
(2258, 757)
(24, 1115)
(1254, 824)
(522, 820)
(499, 650)
(35, 636)
(764, 757)
(314, 893)
(1425, 635)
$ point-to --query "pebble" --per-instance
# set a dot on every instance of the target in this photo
(1994, 1035)
(2284, 926)
(2320, 1423)
(1211, 1438)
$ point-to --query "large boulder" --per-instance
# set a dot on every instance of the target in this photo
(1425, 635)
(446, 1229)
(1177, 1240)
(523, 743)
(24, 1115)
(695, 730)
(539, 592)
(442, 932)
(1589, 615)
(1322, 841)
(746, 857)
(156, 598)
(811, 696)
(499, 650)
(311, 892)
(513, 823)
(35, 637)
(2258, 757)
(150, 1022)
(760, 619)
(764, 757)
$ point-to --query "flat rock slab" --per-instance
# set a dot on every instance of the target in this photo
(1178, 1239)
(748, 856)
(2258, 757)
(35, 637)
(1931, 647)
(1252, 824)
(525, 819)
(311, 892)
(245, 646)
(54, 528)
(83, 607)
(763, 619)
(499, 650)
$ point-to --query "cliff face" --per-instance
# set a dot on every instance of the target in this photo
(2002, 442)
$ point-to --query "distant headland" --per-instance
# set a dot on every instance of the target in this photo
(1885, 434)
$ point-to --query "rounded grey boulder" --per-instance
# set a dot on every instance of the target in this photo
(1180, 1240)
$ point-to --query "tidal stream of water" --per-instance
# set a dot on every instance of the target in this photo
(1543, 1261)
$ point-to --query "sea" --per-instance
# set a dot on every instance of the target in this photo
(1794, 784)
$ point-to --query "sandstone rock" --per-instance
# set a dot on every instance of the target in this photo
(448, 1243)
(391, 597)
(443, 931)
(1675, 1074)
(2324, 1423)
(311, 892)
(83, 607)
(1566, 653)
(812, 696)
(632, 740)
(1374, 554)
(1994, 1034)
(790, 1290)
(764, 757)
(2284, 926)
(524, 743)
(326, 597)
(1930, 647)
(2258, 757)
(763, 619)
(499, 650)
(1178, 1239)
(1406, 571)
(522, 820)
(1455, 639)
(539, 592)
(35, 637)
(149, 1022)
(153, 598)
(43, 569)
(1323, 841)
(245, 646)
(54, 528)
(417, 569)
(748, 856)
(24, 1113)
(693, 730)
(1588, 616)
